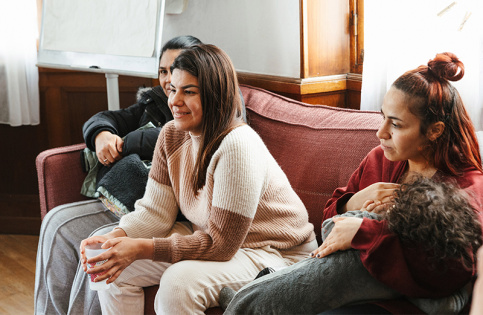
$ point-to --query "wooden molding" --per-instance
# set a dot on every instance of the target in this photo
(354, 81)
(302, 86)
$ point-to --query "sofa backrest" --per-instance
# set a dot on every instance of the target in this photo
(317, 146)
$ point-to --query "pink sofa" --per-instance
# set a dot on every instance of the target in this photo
(318, 147)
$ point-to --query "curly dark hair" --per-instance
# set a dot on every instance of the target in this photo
(439, 217)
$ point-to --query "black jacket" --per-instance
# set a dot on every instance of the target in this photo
(152, 106)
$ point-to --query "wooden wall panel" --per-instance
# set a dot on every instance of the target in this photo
(67, 100)
(327, 37)
(334, 99)
(354, 86)
(353, 99)
(337, 90)
(72, 97)
(19, 201)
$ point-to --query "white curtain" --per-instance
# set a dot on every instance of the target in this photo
(400, 35)
(19, 78)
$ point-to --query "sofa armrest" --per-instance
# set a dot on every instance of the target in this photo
(60, 176)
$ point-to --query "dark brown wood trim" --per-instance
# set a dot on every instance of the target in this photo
(354, 82)
(20, 225)
(304, 42)
(356, 31)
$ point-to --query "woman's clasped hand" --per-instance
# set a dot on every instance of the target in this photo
(122, 252)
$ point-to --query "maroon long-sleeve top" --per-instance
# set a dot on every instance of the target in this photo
(405, 269)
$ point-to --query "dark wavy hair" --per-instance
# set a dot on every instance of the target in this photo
(435, 99)
(180, 42)
(439, 217)
(221, 102)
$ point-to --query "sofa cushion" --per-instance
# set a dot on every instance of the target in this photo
(317, 146)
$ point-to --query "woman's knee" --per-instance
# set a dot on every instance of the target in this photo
(58, 216)
(58, 220)
(71, 223)
(177, 276)
(183, 281)
(68, 213)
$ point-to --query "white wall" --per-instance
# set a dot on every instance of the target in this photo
(260, 36)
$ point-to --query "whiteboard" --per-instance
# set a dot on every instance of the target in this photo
(108, 36)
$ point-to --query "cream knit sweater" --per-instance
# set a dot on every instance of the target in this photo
(247, 200)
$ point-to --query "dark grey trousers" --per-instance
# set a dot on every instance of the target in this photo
(316, 285)
(310, 287)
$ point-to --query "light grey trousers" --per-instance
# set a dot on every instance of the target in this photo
(59, 287)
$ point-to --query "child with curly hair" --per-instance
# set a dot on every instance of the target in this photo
(435, 215)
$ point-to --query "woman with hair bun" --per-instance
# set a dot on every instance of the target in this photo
(426, 132)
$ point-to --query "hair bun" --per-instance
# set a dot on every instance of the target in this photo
(447, 66)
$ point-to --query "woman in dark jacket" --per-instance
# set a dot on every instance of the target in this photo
(113, 136)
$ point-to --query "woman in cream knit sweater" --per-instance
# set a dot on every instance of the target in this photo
(242, 213)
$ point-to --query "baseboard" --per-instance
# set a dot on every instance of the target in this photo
(19, 225)
(19, 214)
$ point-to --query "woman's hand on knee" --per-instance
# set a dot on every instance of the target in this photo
(340, 238)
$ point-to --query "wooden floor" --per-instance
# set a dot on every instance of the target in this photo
(17, 273)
